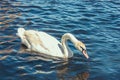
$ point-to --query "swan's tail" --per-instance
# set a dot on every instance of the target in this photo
(20, 32)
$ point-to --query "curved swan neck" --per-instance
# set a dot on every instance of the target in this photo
(64, 39)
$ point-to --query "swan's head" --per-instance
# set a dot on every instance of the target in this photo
(81, 47)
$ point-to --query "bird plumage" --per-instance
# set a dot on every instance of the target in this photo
(44, 43)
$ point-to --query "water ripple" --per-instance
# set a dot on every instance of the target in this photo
(95, 22)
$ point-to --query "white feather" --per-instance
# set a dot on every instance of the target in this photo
(46, 44)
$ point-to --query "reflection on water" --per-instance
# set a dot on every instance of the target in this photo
(34, 67)
(8, 14)
(9, 49)
(63, 73)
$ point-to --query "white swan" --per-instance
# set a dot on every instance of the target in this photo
(44, 43)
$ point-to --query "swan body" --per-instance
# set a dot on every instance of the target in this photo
(44, 43)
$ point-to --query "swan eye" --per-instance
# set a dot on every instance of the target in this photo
(82, 48)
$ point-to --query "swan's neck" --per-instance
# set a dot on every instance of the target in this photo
(66, 37)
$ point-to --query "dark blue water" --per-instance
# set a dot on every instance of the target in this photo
(95, 22)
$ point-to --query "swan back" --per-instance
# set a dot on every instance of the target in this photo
(20, 32)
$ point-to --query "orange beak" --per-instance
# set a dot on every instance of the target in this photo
(85, 54)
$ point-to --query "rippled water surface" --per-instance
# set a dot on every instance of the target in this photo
(95, 22)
